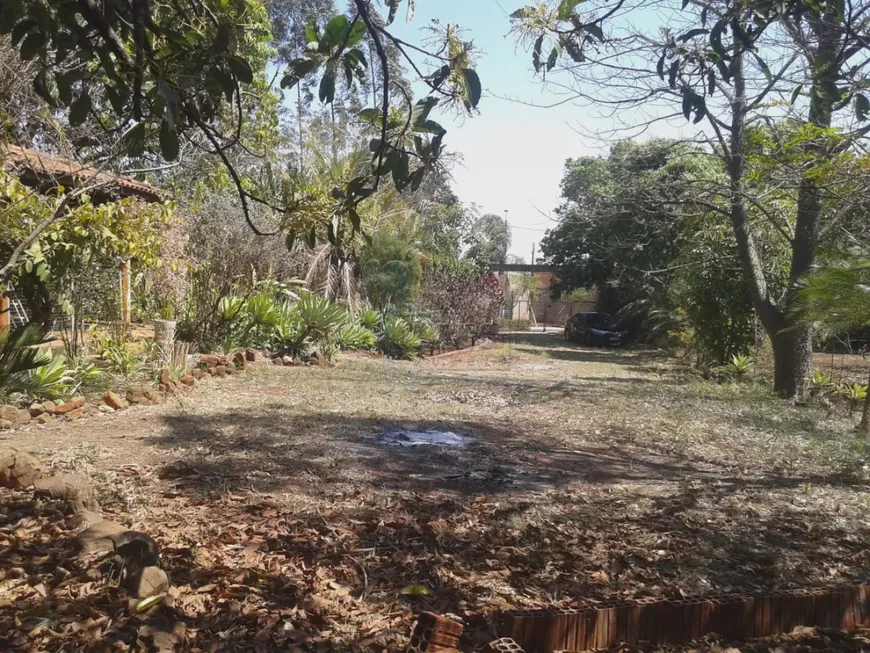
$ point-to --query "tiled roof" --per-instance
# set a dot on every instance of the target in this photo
(15, 158)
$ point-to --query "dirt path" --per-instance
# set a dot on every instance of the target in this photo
(584, 473)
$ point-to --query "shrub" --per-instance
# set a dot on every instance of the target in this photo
(356, 336)
(398, 339)
(739, 366)
(514, 325)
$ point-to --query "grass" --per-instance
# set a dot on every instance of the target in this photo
(593, 474)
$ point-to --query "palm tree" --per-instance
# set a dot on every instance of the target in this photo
(836, 298)
(528, 286)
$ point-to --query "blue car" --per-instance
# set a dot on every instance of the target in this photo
(594, 330)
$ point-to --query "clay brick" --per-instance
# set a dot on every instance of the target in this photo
(503, 645)
(649, 619)
(433, 633)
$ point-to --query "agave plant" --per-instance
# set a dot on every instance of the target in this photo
(19, 353)
(262, 310)
(368, 317)
(52, 380)
(317, 316)
(230, 307)
(398, 339)
(356, 336)
(739, 366)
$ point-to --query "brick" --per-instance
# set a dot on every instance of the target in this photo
(503, 645)
(433, 633)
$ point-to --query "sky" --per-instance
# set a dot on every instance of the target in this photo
(513, 154)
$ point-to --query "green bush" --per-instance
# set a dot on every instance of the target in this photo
(514, 325)
(356, 336)
(398, 339)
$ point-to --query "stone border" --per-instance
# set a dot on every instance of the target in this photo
(205, 367)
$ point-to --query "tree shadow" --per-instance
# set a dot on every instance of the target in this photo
(276, 449)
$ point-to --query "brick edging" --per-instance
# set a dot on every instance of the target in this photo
(734, 616)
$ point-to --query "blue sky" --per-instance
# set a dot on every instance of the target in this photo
(513, 154)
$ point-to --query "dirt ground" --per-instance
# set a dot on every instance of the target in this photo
(285, 520)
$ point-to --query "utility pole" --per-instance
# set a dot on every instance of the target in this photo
(533, 254)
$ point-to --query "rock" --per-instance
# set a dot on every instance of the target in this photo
(288, 360)
(49, 406)
(212, 371)
(210, 360)
(84, 519)
(155, 396)
(149, 582)
(188, 379)
(103, 408)
(18, 469)
(9, 413)
(73, 404)
(73, 488)
(5, 424)
(240, 361)
(136, 395)
(230, 369)
(98, 537)
(279, 361)
(75, 414)
(36, 409)
(250, 355)
(196, 373)
(165, 376)
(221, 370)
(23, 416)
(44, 418)
(113, 400)
(322, 360)
(162, 387)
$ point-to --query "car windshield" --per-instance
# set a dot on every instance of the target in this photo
(599, 321)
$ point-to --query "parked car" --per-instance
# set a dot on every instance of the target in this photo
(594, 330)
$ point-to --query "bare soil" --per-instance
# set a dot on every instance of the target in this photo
(284, 520)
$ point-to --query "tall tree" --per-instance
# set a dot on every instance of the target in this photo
(488, 240)
(727, 66)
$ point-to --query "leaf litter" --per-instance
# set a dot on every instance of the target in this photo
(281, 528)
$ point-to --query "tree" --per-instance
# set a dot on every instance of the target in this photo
(488, 240)
(391, 271)
(162, 74)
(464, 302)
(836, 298)
(528, 286)
(727, 67)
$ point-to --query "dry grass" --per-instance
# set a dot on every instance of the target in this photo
(593, 473)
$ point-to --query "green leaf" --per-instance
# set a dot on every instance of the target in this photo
(241, 69)
(311, 32)
(335, 30)
(299, 68)
(566, 7)
(795, 93)
(523, 12)
(21, 30)
(370, 115)
(117, 100)
(402, 170)
(311, 238)
(32, 45)
(660, 66)
(134, 139)
(290, 241)
(551, 60)
(40, 85)
(78, 111)
(146, 604)
(166, 91)
(357, 33)
(169, 144)
(472, 84)
(422, 109)
(222, 40)
(536, 53)
(416, 590)
(862, 106)
(692, 33)
(430, 127)
(327, 87)
(764, 69)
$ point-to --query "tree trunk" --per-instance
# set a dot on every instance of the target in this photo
(792, 360)
(865, 414)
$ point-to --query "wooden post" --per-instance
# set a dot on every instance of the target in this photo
(125, 296)
(4, 313)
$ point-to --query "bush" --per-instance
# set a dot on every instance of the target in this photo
(356, 336)
(398, 339)
(514, 325)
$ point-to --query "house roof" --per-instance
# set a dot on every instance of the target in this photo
(38, 168)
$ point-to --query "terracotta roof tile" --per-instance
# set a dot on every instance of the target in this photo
(19, 158)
